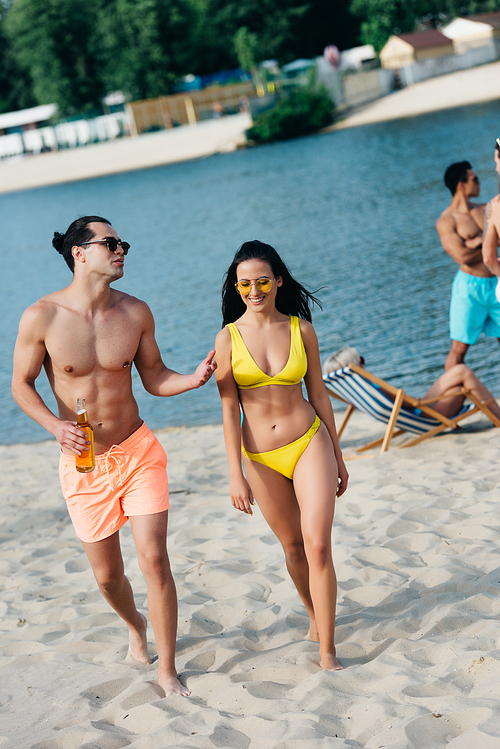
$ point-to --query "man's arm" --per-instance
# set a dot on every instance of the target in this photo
(490, 237)
(156, 377)
(463, 252)
(29, 355)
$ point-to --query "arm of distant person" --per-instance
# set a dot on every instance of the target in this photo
(463, 251)
(156, 377)
(490, 236)
(29, 355)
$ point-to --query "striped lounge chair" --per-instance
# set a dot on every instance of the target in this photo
(401, 412)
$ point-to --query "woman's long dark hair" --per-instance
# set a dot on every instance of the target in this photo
(291, 298)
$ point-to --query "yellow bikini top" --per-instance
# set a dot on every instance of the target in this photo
(248, 375)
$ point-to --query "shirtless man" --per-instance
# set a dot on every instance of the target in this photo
(87, 336)
(473, 306)
(491, 235)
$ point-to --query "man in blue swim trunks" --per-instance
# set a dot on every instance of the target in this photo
(474, 307)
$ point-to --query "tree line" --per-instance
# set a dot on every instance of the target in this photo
(381, 18)
(72, 52)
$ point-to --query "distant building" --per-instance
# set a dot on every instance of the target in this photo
(357, 58)
(473, 32)
(297, 68)
(406, 49)
(26, 119)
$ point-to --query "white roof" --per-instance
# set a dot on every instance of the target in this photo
(297, 65)
(27, 116)
(352, 58)
(464, 27)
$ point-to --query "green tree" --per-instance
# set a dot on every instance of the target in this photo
(144, 44)
(305, 110)
(326, 22)
(381, 18)
(274, 25)
(284, 29)
(245, 46)
(15, 84)
(52, 43)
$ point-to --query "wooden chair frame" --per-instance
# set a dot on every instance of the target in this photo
(402, 398)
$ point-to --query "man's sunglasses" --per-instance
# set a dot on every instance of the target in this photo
(263, 284)
(475, 179)
(111, 243)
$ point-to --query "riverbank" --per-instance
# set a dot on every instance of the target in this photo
(219, 136)
(125, 155)
(416, 553)
(462, 88)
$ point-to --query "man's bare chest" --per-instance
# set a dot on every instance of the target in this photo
(466, 226)
(80, 346)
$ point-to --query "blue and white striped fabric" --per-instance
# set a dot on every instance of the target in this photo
(367, 397)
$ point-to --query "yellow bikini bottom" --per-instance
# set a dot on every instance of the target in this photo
(284, 459)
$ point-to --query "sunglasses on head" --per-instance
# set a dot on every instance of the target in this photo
(497, 144)
(263, 284)
(111, 243)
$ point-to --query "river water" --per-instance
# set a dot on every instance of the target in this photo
(352, 212)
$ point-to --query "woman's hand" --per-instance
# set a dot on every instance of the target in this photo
(343, 477)
(241, 495)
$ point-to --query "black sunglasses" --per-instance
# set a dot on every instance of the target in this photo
(111, 243)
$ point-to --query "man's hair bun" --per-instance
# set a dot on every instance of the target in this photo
(58, 241)
(79, 232)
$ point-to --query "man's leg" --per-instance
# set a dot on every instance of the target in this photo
(150, 536)
(106, 561)
(468, 315)
(456, 354)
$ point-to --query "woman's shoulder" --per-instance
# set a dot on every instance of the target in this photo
(308, 334)
(223, 335)
(306, 328)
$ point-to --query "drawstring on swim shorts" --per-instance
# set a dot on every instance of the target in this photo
(109, 456)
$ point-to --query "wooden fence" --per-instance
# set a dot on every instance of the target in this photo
(188, 108)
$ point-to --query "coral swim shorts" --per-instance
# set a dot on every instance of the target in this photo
(130, 479)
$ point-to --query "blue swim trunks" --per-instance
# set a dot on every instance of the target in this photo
(473, 308)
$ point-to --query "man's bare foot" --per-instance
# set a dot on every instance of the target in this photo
(330, 663)
(171, 685)
(138, 643)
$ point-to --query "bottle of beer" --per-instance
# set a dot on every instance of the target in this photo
(86, 461)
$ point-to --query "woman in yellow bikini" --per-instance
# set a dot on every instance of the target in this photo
(289, 447)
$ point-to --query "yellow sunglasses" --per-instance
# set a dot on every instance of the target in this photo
(263, 284)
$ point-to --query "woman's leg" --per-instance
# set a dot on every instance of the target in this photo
(315, 482)
(106, 560)
(150, 537)
(275, 495)
(453, 379)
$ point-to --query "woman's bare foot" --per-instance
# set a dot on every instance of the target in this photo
(330, 663)
(171, 685)
(138, 643)
(313, 630)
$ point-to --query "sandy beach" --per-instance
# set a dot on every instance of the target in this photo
(458, 89)
(221, 136)
(125, 155)
(416, 553)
